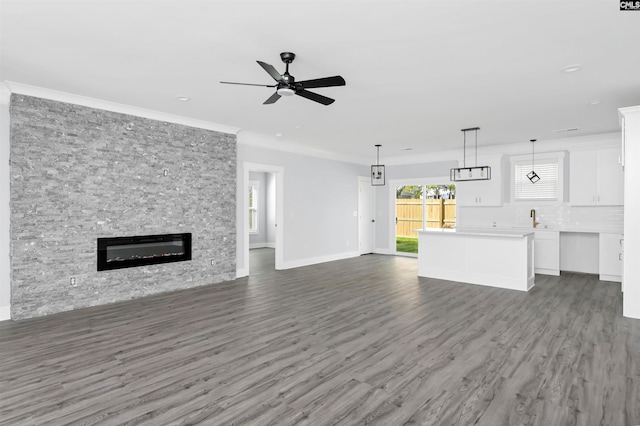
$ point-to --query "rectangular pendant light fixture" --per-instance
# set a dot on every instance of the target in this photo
(464, 173)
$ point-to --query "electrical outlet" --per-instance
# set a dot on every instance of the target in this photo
(212, 262)
(73, 281)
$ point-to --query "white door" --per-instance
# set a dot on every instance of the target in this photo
(366, 220)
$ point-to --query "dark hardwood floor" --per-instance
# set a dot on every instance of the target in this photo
(262, 260)
(359, 341)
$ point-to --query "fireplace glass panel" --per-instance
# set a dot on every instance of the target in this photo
(125, 252)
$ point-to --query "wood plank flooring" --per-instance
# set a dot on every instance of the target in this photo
(359, 341)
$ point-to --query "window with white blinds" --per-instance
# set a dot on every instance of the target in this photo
(544, 189)
(549, 167)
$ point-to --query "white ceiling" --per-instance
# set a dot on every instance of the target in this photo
(416, 71)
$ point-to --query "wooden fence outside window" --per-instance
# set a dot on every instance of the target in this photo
(440, 214)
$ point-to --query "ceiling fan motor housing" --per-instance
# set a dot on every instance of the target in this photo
(287, 57)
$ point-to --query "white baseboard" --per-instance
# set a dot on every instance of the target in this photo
(321, 259)
(614, 278)
(242, 272)
(262, 245)
(383, 251)
(5, 313)
(545, 271)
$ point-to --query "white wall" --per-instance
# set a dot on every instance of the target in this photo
(5, 271)
(320, 198)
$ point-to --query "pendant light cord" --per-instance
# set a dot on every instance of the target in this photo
(533, 155)
(476, 147)
(464, 149)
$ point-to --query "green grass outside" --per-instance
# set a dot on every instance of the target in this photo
(407, 245)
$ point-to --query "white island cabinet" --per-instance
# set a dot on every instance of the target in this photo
(496, 258)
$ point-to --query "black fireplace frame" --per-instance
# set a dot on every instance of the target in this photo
(105, 243)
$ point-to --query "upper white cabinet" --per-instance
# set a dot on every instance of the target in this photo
(596, 177)
(482, 193)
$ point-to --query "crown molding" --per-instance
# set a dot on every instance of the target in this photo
(55, 95)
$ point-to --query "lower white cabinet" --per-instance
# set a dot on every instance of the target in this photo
(547, 252)
(611, 257)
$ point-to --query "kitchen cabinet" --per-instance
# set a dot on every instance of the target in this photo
(611, 257)
(630, 121)
(596, 177)
(547, 252)
(482, 193)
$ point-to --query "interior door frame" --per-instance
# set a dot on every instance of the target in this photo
(278, 171)
(393, 183)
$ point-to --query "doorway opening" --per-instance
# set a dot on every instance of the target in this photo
(262, 219)
(420, 206)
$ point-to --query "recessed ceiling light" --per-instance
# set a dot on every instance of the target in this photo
(407, 149)
(594, 102)
(183, 98)
(570, 129)
(572, 68)
(278, 135)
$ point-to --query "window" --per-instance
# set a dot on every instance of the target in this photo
(548, 166)
(253, 207)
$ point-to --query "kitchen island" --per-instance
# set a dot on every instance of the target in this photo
(492, 257)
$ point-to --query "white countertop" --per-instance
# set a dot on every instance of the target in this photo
(576, 229)
(485, 232)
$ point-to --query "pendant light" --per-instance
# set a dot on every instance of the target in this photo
(377, 170)
(532, 175)
(465, 173)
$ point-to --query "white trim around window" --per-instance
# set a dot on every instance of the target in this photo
(253, 202)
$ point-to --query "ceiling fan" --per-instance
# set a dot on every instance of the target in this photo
(288, 86)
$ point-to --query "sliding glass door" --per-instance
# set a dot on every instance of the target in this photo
(422, 206)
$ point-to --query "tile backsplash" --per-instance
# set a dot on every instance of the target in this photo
(554, 216)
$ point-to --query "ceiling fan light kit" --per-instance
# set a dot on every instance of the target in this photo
(464, 173)
(286, 84)
(285, 91)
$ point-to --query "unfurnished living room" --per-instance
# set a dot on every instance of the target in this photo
(319, 212)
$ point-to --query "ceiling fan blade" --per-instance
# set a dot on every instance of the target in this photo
(315, 97)
(248, 84)
(271, 70)
(272, 99)
(322, 82)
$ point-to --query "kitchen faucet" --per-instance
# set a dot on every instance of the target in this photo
(532, 214)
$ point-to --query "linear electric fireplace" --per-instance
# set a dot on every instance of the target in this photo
(127, 252)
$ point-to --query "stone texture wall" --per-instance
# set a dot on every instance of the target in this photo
(79, 173)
